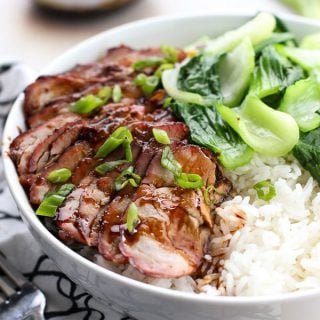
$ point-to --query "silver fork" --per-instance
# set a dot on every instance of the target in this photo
(19, 298)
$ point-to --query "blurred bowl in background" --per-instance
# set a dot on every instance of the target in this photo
(81, 5)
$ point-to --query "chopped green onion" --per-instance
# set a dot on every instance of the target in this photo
(105, 93)
(121, 136)
(109, 166)
(167, 102)
(147, 63)
(86, 104)
(59, 175)
(147, 84)
(168, 161)
(265, 190)
(132, 217)
(189, 180)
(48, 207)
(170, 53)
(65, 189)
(161, 136)
(165, 66)
(127, 177)
(116, 93)
(127, 149)
(183, 180)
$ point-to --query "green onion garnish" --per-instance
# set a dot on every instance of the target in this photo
(127, 177)
(121, 136)
(86, 104)
(109, 166)
(132, 217)
(147, 63)
(165, 66)
(105, 93)
(189, 180)
(168, 161)
(52, 201)
(183, 180)
(265, 190)
(147, 84)
(161, 136)
(170, 53)
(65, 189)
(59, 175)
(167, 102)
(116, 93)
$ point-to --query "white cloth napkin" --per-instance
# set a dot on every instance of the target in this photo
(65, 300)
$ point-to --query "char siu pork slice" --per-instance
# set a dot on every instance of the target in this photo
(35, 148)
(169, 241)
(113, 216)
(47, 88)
(70, 159)
(109, 237)
(125, 56)
(175, 223)
(95, 195)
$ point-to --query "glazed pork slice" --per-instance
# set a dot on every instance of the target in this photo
(125, 55)
(47, 88)
(175, 223)
(170, 239)
(33, 149)
(95, 193)
(70, 159)
(109, 237)
(142, 132)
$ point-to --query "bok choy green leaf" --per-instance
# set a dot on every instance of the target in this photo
(264, 129)
(170, 80)
(307, 151)
(258, 29)
(199, 76)
(308, 59)
(234, 70)
(273, 73)
(311, 41)
(302, 101)
(207, 129)
(276, 37)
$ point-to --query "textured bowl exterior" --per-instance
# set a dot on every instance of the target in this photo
(143, 301)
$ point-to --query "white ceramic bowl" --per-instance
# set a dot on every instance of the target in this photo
(143, 301)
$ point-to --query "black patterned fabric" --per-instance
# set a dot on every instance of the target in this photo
(65, 300)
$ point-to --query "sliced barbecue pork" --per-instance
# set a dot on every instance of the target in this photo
(171, 235)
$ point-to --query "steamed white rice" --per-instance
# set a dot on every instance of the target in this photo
(259, 248)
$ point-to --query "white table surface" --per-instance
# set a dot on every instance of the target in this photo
(35, 38)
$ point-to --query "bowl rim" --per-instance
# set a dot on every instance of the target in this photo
(32, 220)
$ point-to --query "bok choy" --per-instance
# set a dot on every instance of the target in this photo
(308, 59)
(205, 79)
(264, 129)
(307, 151)
(258, 29)
(273, 73)
(209, 130)
(234, 70)
(302, 101)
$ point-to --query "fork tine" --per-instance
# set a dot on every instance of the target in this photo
(6, 289)
(11, 272)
